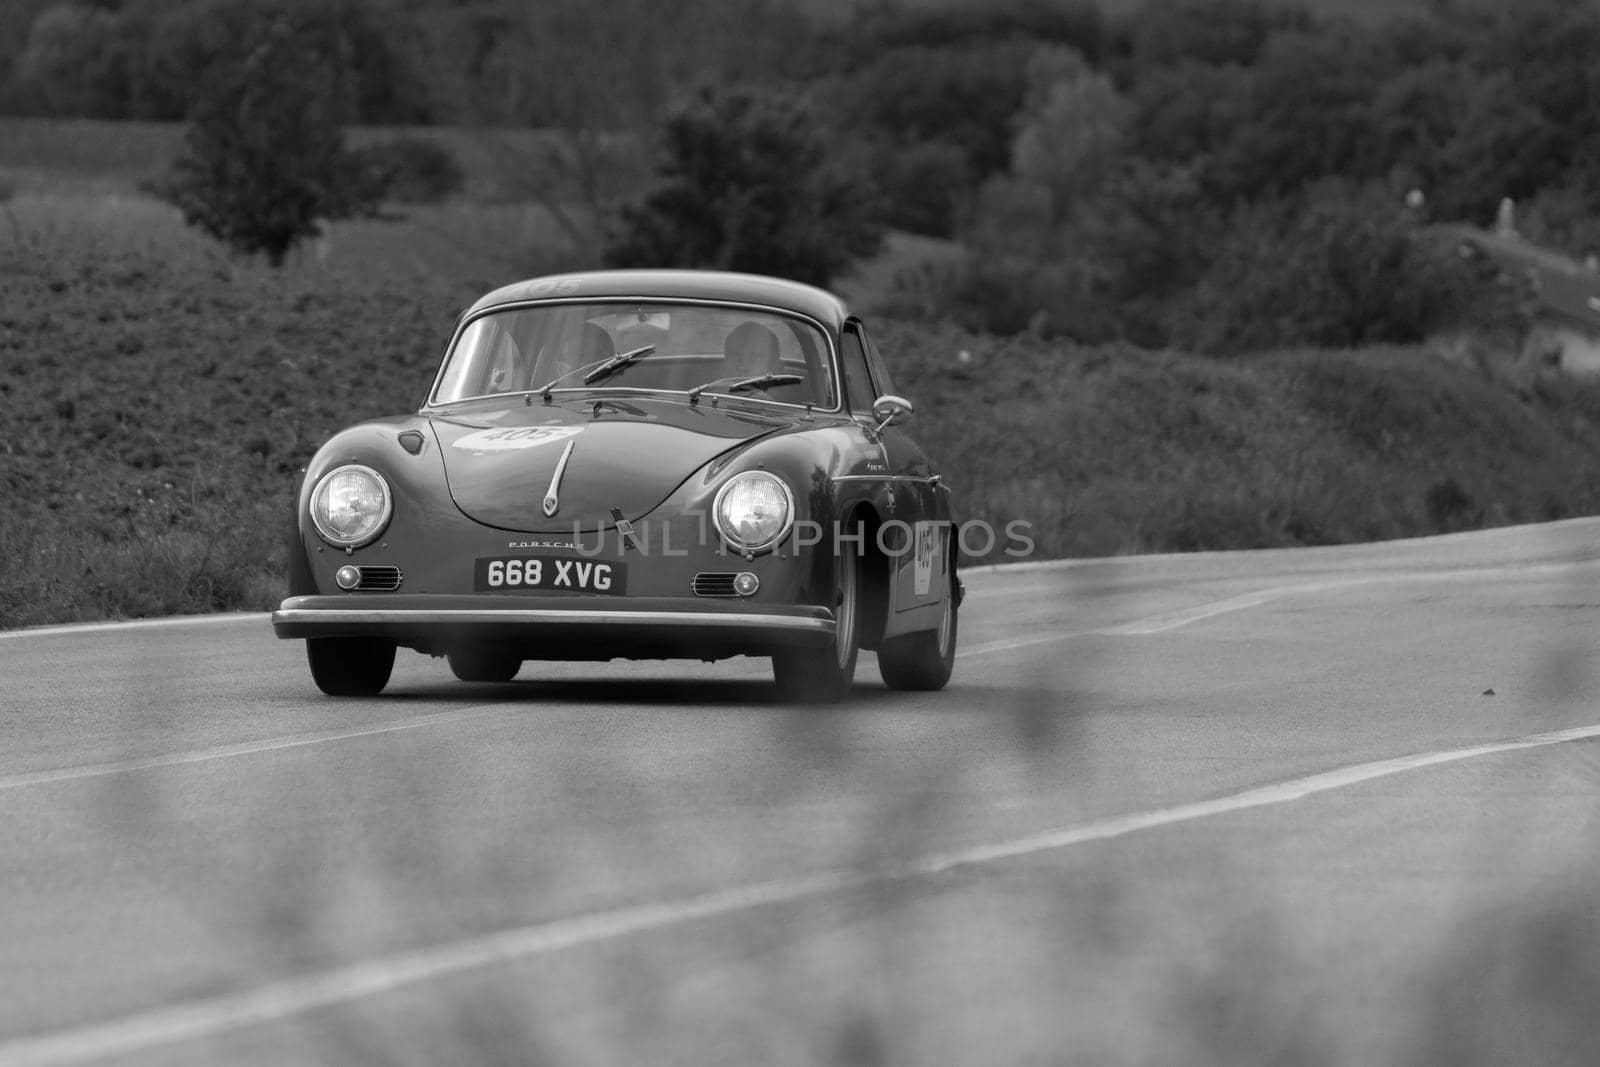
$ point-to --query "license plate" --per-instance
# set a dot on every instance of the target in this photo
(542, 573)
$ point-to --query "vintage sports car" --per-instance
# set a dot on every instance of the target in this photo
(639, 464)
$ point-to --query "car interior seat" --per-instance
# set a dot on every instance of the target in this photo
(594, 344)
(750, 350)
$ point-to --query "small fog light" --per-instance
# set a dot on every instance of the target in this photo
(347, 577)
(746, 584)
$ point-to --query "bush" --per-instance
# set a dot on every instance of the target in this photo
(1105, 271)
(1053, 298)
(1336, 268)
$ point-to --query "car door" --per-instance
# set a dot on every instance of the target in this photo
(917, 532)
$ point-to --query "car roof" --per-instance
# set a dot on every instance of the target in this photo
(654, 285)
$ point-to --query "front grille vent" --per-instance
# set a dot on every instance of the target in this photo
(714, 583)
(379, 578)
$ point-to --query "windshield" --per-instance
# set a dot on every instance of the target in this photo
(677, 347)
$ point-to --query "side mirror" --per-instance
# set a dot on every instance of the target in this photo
(889, 410)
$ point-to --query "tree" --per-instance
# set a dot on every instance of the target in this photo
(1036, 228)
(1213, 32)
(1070, 130)
(1548, 49)
(592, 78)
(1464, 137)
(74, 63)
(881, 27)
(746, 182)
(146, 59)
(925, 187)
(1185, 112)
(1306, 105)
(534, 67)
(958, 94)
(264, 156)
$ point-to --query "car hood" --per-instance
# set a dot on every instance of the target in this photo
(626, 454)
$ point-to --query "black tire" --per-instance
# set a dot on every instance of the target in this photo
(350, 666)
(483, 665)
(923, 661)
(824, 675)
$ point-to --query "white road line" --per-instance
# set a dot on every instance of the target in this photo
(1015, 643)
(1522, 532)
(134, 624)
(280, 1000)
(1155, 624)
(272, 744)
(1172, 620)
(1263, 796)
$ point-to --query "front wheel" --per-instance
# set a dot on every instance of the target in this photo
(823, 675)
(479, 665)
(923, 661)
(350, 666)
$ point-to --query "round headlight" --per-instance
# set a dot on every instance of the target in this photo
(351, 505)
(753, 511)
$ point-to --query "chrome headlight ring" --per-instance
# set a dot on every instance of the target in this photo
(351, 506)
(753, 511)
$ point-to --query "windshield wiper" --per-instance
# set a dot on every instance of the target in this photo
(616, 363)
(600, 368)
(758, 381)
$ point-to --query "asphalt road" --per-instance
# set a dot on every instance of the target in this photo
(1320, 806)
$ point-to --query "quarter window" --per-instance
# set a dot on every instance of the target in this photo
(880, 372)
(857, 379)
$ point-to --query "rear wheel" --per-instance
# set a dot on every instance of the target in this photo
(483, 665)
(350, 666)
(923, 660)
(823, 675)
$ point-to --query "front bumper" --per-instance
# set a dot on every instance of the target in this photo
(561, 627)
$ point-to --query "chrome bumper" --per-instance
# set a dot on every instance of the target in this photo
(559, 627)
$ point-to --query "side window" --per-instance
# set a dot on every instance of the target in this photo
(857, 379)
